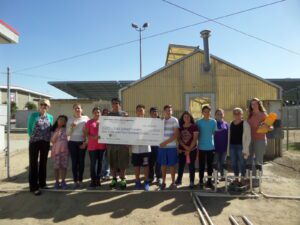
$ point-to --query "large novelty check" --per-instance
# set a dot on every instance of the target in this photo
(131, 130)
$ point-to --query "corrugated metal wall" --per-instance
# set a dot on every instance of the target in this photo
(169, 86)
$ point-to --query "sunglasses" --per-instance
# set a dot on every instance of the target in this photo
(44, 105)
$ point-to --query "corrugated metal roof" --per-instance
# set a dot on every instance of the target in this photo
(105, 90)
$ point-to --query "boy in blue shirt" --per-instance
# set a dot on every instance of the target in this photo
(207, 127)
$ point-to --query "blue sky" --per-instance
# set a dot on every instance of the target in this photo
(54, 29)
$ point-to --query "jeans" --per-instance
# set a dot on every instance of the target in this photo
(208, 157)
(38, 168)
(219, 160)
(96, 157)
(154, 166)
(78, 159)
(105, 171)
(182, 162)
(237, 160)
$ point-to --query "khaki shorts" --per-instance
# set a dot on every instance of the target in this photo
(118, 156)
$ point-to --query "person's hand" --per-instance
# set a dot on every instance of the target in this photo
(73, 125)
(187, 152)
(245, 154)
(83, 146)
(162, 145)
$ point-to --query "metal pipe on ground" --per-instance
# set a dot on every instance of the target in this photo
(201, 216)
(233, 220)
(210, 222)
(280, 196)
(246, 220)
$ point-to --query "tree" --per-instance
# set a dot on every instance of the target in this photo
(31, 106)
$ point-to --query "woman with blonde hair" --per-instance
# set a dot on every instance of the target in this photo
(256, 116)
(39, 131)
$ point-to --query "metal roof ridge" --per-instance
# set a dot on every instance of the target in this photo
(26, 90)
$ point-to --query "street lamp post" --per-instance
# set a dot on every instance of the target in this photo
(140, 29)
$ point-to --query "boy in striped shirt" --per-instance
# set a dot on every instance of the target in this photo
(167, 152)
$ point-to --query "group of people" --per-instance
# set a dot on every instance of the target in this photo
(185, 141)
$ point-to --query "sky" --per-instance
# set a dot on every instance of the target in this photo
(54, 29)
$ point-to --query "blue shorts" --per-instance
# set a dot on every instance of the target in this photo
(167, 156)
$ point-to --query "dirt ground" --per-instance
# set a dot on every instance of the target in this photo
(281, 177)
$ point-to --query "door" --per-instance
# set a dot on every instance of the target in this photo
(195, 101)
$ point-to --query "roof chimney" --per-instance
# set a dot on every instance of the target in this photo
(205, 34)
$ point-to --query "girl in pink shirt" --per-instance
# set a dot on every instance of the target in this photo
(95, 149)
(256, 116)
(59, 152)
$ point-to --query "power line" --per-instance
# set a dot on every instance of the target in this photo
(235, 29)
(163, 33)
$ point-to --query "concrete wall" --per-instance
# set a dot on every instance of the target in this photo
(65, 106)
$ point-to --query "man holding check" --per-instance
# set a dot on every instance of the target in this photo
(118, 154)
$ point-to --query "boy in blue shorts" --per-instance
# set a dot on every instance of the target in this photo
(140, 157)
(167, 152)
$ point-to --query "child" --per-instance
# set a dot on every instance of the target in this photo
(95, 149)
(207, 127)
(140, 157)
(188, 136)
(167, 152)
(221, 141)
(60, 151)
(239, 139)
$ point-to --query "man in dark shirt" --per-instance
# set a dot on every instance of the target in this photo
(118, 154)
(154, 166)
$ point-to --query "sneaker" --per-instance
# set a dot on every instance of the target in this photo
(93, 184)
(146, 185)
(209, 185)
(159, 181)
(123, 184)
(162, 187)
(64, 185)
(191, 186)
(113, 183)
(137, 185)
(56, 185)
(201, 185)
(98, 183)
(178, 182)
(37, 192)
(173, 186)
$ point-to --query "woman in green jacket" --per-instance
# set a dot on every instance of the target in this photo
(39, 131)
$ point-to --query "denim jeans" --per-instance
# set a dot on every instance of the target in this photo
(237, 160)
(154, 166)
(77, 158)
(105, 172)
(182, 162)
(219, 160)
(96, 157)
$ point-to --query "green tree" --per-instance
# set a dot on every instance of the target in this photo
(31, 106)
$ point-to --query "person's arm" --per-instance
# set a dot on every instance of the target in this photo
(194, 141)
(171, 139)
(30, 123)
(246, 139)
(54, 136)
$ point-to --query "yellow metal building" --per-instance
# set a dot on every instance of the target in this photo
(185, 84)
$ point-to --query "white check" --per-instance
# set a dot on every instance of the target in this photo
(131, 130)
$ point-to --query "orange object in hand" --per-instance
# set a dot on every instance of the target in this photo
(269, 121)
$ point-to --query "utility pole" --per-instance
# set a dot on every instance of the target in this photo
(8, 124)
